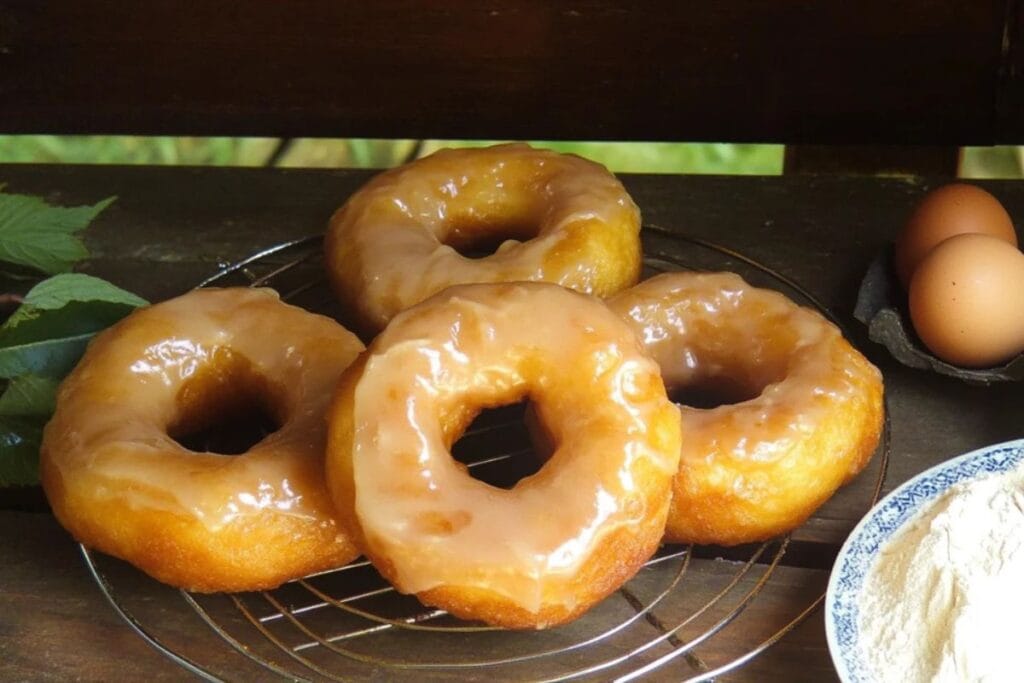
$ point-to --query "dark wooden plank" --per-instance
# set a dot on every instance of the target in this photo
(913, 71)
(1010, 101)
(872, 159)
(55, 624)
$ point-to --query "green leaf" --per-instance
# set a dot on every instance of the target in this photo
(74, 318)
(35, 234)
(48, 357)
(29, 395)
(20, 439)
(50, 330)
(58, 290)
(25, 406)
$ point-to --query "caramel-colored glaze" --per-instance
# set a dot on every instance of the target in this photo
(119, 482)
(559, 218)
(760, 467)
(561, 539)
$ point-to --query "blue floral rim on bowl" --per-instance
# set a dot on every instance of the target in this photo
(881, 522)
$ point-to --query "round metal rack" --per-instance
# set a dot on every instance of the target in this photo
(349, 623)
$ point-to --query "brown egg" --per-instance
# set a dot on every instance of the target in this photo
(944, 212)
(967, 300)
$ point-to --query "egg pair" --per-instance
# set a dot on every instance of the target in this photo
(964, 275)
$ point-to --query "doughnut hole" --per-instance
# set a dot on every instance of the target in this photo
(502, 210)
(709, 374)
(476, 239)
(227, 406)
(499, 439)
(711, 392)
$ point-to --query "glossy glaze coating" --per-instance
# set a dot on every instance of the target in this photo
(809, 414)
(119, 482)
(561, 539)
(558, 218)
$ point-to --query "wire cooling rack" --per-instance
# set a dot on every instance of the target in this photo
(350, 624)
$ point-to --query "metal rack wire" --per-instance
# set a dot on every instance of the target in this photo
(349, 623)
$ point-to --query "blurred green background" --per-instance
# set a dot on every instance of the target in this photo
(976, 162)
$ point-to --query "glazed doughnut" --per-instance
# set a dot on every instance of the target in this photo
(561, 539)
(553, 217)
(810, 422)
(119, 482)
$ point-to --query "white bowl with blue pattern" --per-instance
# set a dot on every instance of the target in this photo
(881, 523)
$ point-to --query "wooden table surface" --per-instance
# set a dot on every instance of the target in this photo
(172, 227)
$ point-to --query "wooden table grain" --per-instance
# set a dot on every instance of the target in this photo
(172, 227)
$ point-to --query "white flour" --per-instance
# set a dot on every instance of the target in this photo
(945, 599)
